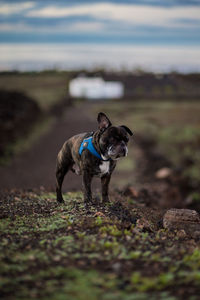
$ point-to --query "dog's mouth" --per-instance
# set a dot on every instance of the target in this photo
(117, 154)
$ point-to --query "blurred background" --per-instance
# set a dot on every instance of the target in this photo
(61, 62)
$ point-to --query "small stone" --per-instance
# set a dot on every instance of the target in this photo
(181, 233)
(99, 214)
(116, 266)
(131, 192)
(31, 257)
(163, 173)
(17, 198)
(57, 258)
(143, 224)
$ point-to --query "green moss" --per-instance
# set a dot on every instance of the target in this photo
(111, 230)
(142, 283)
(193, 260)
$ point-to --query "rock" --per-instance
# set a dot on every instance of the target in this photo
(182, 219)
(143, 224)
(99, 214)
(131, 192)
(181, 233)
(163, 173)
(116, 266)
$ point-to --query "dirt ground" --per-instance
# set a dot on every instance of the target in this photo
(115, 251)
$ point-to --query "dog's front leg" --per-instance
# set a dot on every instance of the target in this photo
(105, 180)
(87, 179)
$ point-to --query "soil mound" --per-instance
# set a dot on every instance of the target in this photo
(17, 113)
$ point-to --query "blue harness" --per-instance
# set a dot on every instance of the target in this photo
(87, 144)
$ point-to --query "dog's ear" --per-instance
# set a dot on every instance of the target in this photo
(103, 121)
(127, 130)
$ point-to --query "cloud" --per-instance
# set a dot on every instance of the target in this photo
(63, 27)
(14, 8)
(22, 27)
(85, 27)
(100, 22)
(125, 13)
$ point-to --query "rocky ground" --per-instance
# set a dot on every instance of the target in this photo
(117, 251)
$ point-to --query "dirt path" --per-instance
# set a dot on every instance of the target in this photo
(36, 167)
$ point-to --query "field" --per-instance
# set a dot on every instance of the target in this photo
(117, 251)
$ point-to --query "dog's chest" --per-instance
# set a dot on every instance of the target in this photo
(104, 168)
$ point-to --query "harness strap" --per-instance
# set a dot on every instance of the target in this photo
(87, 144)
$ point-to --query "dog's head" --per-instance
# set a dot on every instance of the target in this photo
(113, 139)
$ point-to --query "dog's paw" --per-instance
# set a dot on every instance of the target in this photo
(105, 200)
(60, 200)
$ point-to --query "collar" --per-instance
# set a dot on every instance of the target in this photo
(87, 144)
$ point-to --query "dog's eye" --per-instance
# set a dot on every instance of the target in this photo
(126, 139)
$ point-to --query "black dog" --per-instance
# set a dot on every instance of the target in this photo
(93, 154)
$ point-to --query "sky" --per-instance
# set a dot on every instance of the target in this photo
(154, 35)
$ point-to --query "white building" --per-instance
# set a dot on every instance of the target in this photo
(95, 88)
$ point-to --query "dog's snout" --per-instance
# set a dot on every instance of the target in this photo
(123, 146)
(124, 151)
